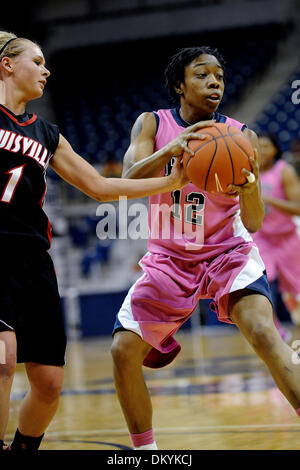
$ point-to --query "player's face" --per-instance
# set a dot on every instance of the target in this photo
(30, 72)
(203, 86)
(267, 150)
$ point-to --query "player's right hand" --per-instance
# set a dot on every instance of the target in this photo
(179, 145)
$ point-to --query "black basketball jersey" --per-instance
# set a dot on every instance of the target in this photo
(27, 143)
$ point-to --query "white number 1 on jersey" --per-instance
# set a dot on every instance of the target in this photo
(15, 176)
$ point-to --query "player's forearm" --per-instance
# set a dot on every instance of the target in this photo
(252, 210)
(289, 207)
(111, 189)
(149, 166)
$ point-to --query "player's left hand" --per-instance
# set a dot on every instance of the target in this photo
(2, 92)
(178, 175)
(252, 177)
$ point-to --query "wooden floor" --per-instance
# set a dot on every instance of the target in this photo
(216, 395)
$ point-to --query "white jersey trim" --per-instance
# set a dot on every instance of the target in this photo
(7, 325)
(296, 220)
(252, 271)
(239, 229)
(125, 315)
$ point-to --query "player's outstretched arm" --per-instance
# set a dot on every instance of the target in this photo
(140, 160)
(251, 203)
(76, 171)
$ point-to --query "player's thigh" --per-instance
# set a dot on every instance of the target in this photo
(129, 346)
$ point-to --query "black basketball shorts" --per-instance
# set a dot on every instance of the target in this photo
(30, 305)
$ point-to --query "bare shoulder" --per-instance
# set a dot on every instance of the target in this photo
(144, 124)
(141, 140)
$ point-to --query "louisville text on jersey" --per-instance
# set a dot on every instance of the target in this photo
(28, 147)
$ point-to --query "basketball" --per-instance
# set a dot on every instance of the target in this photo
(219, 159)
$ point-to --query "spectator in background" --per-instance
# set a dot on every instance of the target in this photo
(278, 239)
(293, 157)
(98, 254)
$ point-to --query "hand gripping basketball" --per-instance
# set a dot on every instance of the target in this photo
(252, 177)
(180, 144)
(218, 161)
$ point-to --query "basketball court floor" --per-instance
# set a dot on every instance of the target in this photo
(217, 395)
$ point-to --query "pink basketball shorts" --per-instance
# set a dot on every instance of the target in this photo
(166, 295)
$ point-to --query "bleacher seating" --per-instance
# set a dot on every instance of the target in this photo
(282, 116)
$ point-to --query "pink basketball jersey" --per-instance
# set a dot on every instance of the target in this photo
(192, 224)
(275, 223)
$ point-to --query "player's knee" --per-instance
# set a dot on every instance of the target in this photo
(122, 353)
(7, 370)
(49, 389)
(125, 351)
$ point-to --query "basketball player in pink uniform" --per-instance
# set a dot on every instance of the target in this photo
(278, 239)
(222, 264)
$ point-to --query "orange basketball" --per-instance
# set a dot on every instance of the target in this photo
(218, 159)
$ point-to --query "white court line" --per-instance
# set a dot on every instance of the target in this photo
(174, 429)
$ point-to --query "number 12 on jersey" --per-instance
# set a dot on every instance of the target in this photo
(13, 180)
(196, 204)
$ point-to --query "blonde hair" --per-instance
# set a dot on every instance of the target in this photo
(14, 48)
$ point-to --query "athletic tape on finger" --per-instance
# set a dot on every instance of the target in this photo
(251, 178)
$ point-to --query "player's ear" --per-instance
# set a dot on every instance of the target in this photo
(179, 88)
(6, 65)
